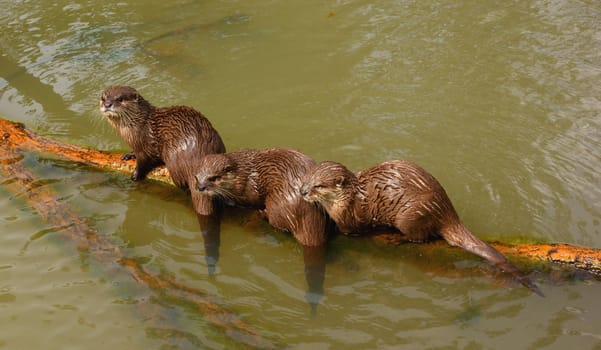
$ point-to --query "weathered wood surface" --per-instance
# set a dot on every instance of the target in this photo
(14, 139)
(17, 136)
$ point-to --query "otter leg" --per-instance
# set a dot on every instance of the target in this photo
(203, 204)
(143, 167)
(415, 229)
(312, 227)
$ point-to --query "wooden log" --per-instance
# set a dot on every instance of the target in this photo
(557, 261)
(16, 135)
(14, 139)
(587, 259)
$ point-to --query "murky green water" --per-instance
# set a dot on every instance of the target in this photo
(501, 101)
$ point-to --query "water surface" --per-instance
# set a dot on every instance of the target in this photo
(500, 101)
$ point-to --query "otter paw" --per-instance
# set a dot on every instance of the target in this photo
(128, 156)
(134, 176)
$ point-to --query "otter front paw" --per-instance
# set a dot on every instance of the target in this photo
(128, 156)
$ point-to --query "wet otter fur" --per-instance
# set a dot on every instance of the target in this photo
(401, 195)
(176, 136)
(269, 180)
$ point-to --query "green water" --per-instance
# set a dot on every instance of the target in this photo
(499, 100)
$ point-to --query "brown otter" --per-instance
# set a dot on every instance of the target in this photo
(174, 136)
(397, 194)
(269, 180)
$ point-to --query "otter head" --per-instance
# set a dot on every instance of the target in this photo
(216, 176)
(327, 183)
(122, 103)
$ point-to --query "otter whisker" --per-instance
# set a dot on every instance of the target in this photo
(225, 194)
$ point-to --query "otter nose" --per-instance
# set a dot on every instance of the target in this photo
(200, 184)
(107, 104)
(304, 191)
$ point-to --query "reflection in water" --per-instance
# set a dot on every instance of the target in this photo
(210, 229)
(314, 258)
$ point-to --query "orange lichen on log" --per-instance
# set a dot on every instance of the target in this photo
(18, 136)
(588, 259)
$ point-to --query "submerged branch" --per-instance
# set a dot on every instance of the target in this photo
(17, 136)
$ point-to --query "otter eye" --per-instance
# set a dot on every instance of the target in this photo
(119, 99)
(229, 169)
(213, 178)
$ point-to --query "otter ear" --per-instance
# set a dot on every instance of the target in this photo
(339, 180)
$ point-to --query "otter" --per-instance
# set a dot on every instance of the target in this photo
(269, 180)
(174, 136)
(396, 194)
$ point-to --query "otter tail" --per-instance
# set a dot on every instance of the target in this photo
(458, 235)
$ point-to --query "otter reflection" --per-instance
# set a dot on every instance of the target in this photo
(210, 229)
(314, 258)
